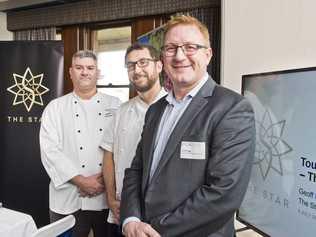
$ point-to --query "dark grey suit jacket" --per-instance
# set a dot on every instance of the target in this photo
(189, 197)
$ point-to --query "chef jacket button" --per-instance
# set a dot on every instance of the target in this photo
(77, 115)
(81, 148)
(83, 166)
(98, 101)
(100, 164)
(78, 131)
(76, 102)
(99, 113)
(100, 129)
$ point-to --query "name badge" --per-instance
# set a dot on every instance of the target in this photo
(192, 150)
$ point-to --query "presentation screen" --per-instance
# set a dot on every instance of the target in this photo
(281, 196)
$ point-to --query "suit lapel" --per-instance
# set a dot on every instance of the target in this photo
(149, 140)
(197, 104)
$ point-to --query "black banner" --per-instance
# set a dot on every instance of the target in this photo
(31, 74)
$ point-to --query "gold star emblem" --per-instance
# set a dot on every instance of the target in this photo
(28, 89)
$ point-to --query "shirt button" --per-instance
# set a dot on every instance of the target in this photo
(83, 166)
(100, 129)
(78, 131)
(100, 164)
(81, 148)
(76, 102)
(98, 101)
(100, 113)
(77, 115)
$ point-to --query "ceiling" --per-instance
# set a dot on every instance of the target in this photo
(9, 5)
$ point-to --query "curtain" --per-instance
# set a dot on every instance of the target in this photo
(36, 34)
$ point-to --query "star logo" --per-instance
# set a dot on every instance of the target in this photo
(28, 89)
(270, 145)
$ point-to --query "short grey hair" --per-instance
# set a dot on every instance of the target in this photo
(85, 54)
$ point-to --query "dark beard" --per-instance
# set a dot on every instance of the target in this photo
(150, 83)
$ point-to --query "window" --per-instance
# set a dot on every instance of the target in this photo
(58, 33)
(110, 47)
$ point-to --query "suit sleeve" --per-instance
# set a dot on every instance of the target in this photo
(212, 205)
(58, 166)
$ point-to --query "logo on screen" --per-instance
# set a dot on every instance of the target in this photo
(270, 145)
(28, 89)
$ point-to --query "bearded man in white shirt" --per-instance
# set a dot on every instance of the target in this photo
(71, 130)
(143, 67)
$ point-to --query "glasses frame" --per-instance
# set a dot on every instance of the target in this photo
(182, 46)
(132, 65)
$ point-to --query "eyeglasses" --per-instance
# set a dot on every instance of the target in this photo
(171, 50)
(143, 62)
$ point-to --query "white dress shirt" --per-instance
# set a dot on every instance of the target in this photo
(126, 133)
(70, 134)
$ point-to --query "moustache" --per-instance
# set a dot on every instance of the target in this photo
(136, 76)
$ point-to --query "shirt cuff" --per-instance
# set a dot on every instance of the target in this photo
(128, 220)
(106, 146)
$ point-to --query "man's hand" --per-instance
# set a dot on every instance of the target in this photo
(89, 186)
(139, 229)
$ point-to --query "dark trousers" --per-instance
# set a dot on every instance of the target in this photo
(87, 220)
(116, 231)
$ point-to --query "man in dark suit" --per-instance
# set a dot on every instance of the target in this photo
(192, 164)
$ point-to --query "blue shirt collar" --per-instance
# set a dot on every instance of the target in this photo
(172, 100)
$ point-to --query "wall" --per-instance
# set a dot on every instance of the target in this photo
(4, 33)
(261, 36)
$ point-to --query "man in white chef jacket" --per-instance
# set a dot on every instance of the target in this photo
(71, 130)
(143, 68)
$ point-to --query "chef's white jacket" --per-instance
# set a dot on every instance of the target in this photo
(123, 137)
(70, 134)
